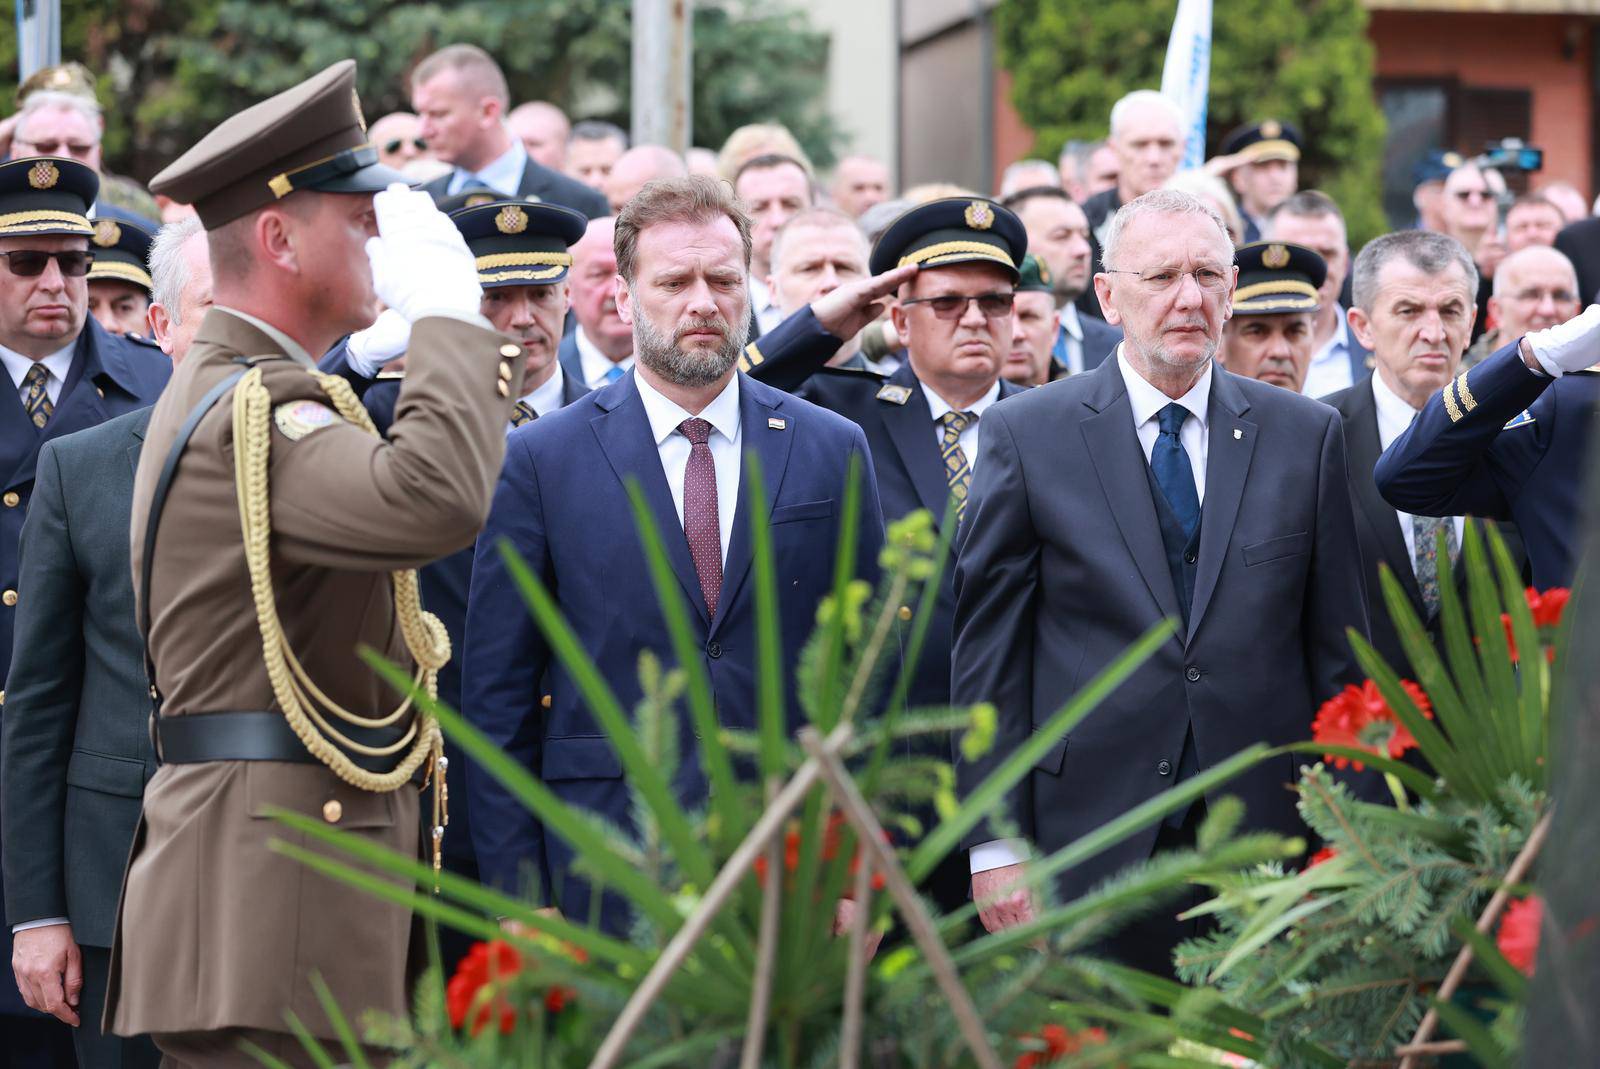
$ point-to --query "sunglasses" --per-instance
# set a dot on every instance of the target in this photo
(30, 263)
(954, 306)
(1465, 195)
(391, 147)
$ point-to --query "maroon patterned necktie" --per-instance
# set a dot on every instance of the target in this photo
(700, 524)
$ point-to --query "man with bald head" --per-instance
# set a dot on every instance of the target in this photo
(1147, 136)
(859, 182)
(542, 128)
(460, 93)
(599, 349)
(1534, 288)
(635, 167)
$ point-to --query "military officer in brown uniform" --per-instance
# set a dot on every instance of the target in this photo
(272, 535)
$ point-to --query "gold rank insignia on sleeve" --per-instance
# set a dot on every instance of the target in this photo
(894, 394)
(296, 419)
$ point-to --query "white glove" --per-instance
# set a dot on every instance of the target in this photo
(1570, 346)
(380, 343)
(421, 265)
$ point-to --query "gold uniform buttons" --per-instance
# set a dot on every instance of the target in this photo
(332, 811)
(9, 597)
(508, 350)
(12, 499)
(503, 388)
(905, 612)
(545, 701)
(505, 372)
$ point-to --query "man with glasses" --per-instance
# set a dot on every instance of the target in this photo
(1156, 487)
(398, 138)
(1534, 288)
(66, 374)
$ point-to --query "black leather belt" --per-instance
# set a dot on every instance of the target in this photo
(196, 738)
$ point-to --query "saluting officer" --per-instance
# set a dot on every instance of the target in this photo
(268, 519)
(1509, 440)
(67, 374)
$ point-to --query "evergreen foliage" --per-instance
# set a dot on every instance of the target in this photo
(1303, 61)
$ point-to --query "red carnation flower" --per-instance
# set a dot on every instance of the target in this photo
(1058, 1042)
(1359, 717)
(1327, 853)
(1546, 608)
(1518, 939)
(486, 964)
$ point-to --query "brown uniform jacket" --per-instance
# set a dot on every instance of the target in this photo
(215, 930)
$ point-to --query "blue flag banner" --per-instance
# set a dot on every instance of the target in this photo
(38, 36)
(1186, 77)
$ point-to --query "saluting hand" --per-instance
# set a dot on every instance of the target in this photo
(421, 265)
(845, 311)
(1002, 901)
(1565, 347)
(49, 970)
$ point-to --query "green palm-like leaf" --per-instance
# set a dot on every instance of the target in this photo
(770, 668)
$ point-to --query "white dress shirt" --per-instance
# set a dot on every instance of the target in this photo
(969, 437)
(546, 398)
(723, 415)
(594, 363)
(1394, 416)
(1072, 335)
(767, 312)
(503, 174)
(1146, 401)
(57, 363)
(1330, 365)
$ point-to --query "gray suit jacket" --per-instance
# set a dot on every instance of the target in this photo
(1061, 567)
(74, 742)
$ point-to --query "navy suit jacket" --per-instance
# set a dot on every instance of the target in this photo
(540, 183)
(562, 503)
(1503, 443)
(110, 375)
(1061, 566)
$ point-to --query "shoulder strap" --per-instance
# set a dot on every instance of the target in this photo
(158, 501)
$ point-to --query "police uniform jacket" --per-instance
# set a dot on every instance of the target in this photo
(215, 929)
(110, 375)
(1502, 442)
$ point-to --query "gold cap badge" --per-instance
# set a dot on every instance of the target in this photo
(107, 233)
(979, 215)
(1275, 257)
(477, 200)
(43, 175)
(1044, 272)
(1271, 129)
(511, 220)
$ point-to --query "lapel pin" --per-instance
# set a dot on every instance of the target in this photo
(776, 424)
(1238, 435)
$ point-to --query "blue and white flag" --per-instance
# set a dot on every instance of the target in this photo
(38, 36)
(1186, 78)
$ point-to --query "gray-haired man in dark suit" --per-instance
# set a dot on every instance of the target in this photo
(75, 746)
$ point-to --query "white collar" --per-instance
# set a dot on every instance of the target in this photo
(1070, 322)
(760, 294)
(592, 361)
(1147, 400)
(57, 363)
(1394, 412)
(1337, 346)
(939, 406)
(546, 398)
(290, 347)
(665, 415)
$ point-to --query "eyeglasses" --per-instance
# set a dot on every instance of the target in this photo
(1464, 195)
(1533, 296)
(391, 147)
(30, 263)
(954, 305)
(1161, 279)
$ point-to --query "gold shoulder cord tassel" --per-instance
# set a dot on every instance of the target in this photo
(307, 709)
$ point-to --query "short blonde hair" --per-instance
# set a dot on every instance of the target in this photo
(760, 139)
(473, 64)
(694, 198)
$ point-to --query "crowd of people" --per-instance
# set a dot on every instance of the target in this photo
(315, 356)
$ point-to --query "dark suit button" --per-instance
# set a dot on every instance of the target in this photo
(713, 649)
(1188, 558)
(1164, 767)
(1192, 674)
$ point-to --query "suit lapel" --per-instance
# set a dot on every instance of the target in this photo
(1361, 442)
(80, 406)
(910, 428)
(623, 430)
(1118, 459)
(1231, 445)
(761, 437)
(136, 431)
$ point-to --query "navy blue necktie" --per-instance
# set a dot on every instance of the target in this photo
(1170, 465)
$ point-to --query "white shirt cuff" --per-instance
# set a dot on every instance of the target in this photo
(43, 922)
(359, 363)
(997, 853)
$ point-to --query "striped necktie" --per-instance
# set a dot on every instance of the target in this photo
(37, 400)
(522, 412)
(957, 471)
